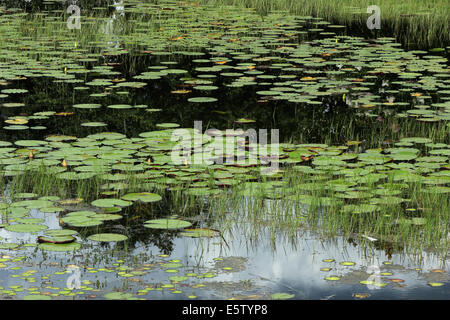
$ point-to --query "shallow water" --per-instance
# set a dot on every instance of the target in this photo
(259, 268)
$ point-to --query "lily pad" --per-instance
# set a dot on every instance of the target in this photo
(142, 196)
(56, 239)
(108, 237)
(282, 296)
(111, 202)
(59, 247)
(166, 224)
(25, 228)
(37, 297)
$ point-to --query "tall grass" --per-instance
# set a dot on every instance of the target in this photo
(392, 225)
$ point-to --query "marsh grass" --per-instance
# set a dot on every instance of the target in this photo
(392, 226)
(381, 133)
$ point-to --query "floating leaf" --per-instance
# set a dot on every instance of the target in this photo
(142, 196)
(361, 295)
(59, 247)
(110, 202)
(25, 228)
(37, 297)
(56, 239)
(435, 284)
(108, 237)
(166, 224)
(202, 99)
(282, 296)
(87, 106)
(118, 296)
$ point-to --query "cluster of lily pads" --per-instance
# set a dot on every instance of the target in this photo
(357, 181)
(175, 278)
(239, 50)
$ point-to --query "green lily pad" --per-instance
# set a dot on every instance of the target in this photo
(110, 202)
(8, 246)
(142, 196)
(166, 224)
(178, 278)
(202, 99)
(118, 296)
(108, 237)
(60, 232)
(87, 106)
(93, 124)
(56, 239)
(25, 228)
(282, 296)
(167, 125)
(435, 284)
(37, 297)
(59, 247)
(200, 232)
(30, 220)
(332, 278)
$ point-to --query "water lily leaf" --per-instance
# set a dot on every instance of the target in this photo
(118, 296)
(86, 223)
(435, 284)
(33, 204)
(166, 224)
(59, 247)
(30, 220)
(93, 124)
(60, 232)
(333, 278)
(178, 278)
(361, 295)
(37, 297)
(111, 202)
(167, 125)
(87, 106)
(107, 216)
(25, 228)
(282, 296)
(56, 239)
(202, 99)
(7, 246)
(108, 237)
(142, 196)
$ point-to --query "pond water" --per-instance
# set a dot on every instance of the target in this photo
(105, 197)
